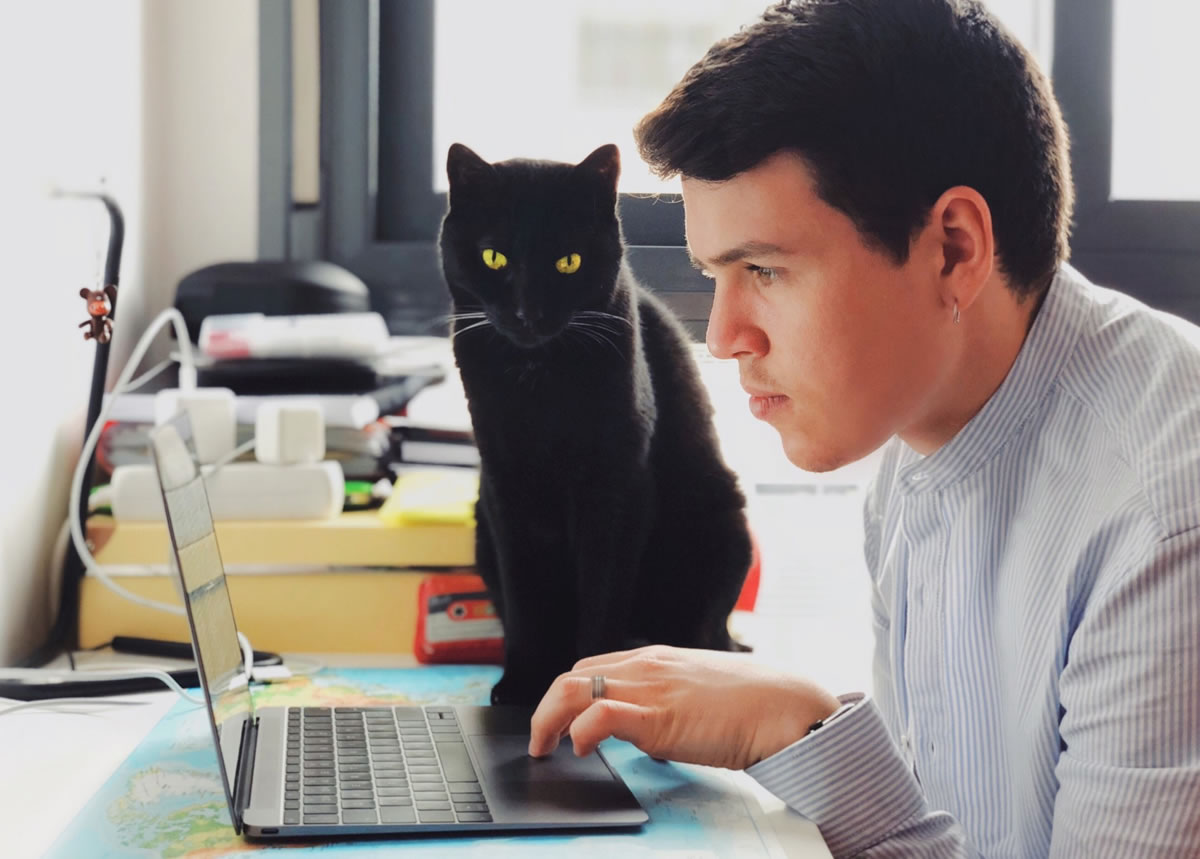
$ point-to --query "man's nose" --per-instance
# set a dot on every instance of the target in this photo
(730, 331)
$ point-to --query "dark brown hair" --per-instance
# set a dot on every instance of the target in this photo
(890, 103)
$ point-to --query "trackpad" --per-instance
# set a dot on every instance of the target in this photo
(505, 758)
(559, 788)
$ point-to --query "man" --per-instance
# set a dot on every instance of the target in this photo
(880, 190)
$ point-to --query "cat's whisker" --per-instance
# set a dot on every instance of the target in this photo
(600, 314)
(461, 331)
(459, 317)
(596, 333)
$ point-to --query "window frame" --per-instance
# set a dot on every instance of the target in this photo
(1149, 249)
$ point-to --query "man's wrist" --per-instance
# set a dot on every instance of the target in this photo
(821, 723)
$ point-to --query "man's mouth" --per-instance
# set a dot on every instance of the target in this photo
(764, 403)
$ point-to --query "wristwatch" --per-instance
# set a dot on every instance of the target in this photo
(821, 723)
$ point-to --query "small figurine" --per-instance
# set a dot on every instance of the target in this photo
(99, 305)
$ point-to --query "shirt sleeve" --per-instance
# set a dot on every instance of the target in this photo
(850, 780)
(1129, 772)
(1127, 781)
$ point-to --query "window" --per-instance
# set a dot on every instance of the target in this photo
(1125, 74)
(613, 62)
(1156, 125)
(402, 79)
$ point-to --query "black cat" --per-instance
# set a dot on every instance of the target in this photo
(606, 516)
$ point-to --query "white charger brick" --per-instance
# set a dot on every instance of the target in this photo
(213, 414)
(288, 432)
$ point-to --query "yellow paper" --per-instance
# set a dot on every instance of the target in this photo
(440, 497)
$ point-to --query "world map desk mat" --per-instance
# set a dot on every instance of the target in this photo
(166, 799)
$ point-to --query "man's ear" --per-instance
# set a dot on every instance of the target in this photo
(465, 169)
(961, 221)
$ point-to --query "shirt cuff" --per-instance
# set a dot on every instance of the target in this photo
(848, 778)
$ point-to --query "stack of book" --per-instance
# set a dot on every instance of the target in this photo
(344, 585)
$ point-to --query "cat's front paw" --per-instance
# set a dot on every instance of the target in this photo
(518, 690)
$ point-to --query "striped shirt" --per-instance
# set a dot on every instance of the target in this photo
(1036, 596)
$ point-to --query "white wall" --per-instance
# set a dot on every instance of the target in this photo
(160, 100)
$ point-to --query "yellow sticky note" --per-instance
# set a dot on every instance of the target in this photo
(442, 497)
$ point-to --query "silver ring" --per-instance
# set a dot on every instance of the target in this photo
(597, 686)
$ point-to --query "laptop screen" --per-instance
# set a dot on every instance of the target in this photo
(210, 612)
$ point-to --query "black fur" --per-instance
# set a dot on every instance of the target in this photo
(606, 517)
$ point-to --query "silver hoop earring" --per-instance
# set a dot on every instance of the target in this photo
(956, 316)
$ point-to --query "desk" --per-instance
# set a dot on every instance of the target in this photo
(74, 789)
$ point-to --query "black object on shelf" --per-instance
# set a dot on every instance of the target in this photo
(274, 288)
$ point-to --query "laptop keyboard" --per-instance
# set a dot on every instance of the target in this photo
(383, 765)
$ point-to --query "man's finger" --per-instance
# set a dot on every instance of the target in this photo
(609, 717)
(568, 696)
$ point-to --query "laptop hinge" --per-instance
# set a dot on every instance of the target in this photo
(245, 769)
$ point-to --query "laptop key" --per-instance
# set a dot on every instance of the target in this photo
(456, 762)
(436, 816)
(357, 803)
(429, 794)
(292, 805)
(359, 815)
(291, 818)
(395, 801)
(465, 787)
(425, 777)
(470, 806)
(323, 808)
(474, 817)
(432, 805)
(320, 818)
(397, 814)
(358, 794)
(430, 767)
(319, 790)
(391, 782)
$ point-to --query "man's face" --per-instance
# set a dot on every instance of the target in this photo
(835, 343)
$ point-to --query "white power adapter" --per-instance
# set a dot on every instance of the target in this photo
(213, 415)
(289, 432)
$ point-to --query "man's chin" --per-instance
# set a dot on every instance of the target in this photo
(818, 458)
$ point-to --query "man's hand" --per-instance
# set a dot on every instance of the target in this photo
(698, 706)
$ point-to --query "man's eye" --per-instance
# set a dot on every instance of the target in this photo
(761, 273)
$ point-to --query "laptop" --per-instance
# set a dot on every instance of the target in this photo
(314, 771)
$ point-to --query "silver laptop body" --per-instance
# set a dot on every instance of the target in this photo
(302, 771)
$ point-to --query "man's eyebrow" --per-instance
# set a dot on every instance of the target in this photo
(746, 249)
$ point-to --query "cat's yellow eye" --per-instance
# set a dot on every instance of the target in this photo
(494, 259)
(568, 264)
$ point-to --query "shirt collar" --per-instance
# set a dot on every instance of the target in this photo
(1051, 340)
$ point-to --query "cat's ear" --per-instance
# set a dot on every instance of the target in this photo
(465, 169)
(605, 163)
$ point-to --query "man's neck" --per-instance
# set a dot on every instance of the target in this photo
(991, 336)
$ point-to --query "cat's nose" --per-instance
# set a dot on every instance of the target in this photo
(528, 315)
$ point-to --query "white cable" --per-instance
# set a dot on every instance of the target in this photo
(187, 381)
(41, 674)
(150, 374)
(61, 704)
(213, 468)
